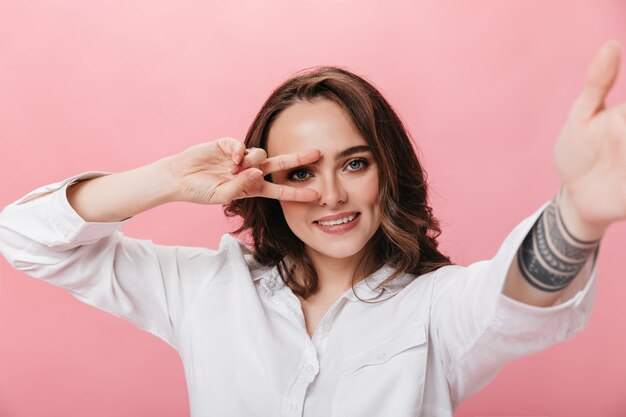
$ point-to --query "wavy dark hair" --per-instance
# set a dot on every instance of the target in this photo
(407, 236)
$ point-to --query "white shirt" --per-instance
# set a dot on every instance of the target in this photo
(241, 334)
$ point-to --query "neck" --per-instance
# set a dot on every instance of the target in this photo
(335, 274)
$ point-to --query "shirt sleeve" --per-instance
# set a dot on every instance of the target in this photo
(478, 329)
(149, 285)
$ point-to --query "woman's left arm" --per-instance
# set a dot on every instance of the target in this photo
(590, 156)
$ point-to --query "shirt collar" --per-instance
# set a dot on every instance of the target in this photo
(366, 289)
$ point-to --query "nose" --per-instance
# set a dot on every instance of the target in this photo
(332, 193)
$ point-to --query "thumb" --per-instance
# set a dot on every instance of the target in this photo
(601, 75)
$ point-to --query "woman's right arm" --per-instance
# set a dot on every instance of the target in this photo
(117, 197)
(134, 279)
(67, 234)
(208, 173)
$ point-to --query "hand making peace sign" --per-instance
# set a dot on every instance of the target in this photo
(224, 170)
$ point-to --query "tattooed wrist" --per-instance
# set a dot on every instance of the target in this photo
(550, 257)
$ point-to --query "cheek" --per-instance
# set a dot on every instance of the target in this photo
(368, 197)
(368, 191)
(370, 194)
(293, 211)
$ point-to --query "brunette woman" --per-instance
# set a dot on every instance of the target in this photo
(340, 303)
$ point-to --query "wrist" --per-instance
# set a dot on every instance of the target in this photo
(579, 227)
(168, 186)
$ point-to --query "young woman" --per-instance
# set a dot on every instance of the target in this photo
(344, 305)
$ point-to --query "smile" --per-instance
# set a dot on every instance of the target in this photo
(347, 219)
(338, 226)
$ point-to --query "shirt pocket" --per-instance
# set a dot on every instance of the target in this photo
(386, 379)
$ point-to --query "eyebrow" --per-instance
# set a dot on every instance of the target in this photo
(353, 150)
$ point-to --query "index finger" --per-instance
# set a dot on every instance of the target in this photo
(290, 160)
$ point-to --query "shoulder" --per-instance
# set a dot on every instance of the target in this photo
(443, 279)
(455, 272)
(231, 253)
(239, 258)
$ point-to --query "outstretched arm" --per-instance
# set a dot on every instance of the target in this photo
(590, 156)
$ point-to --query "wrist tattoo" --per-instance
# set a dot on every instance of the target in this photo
(550, 257)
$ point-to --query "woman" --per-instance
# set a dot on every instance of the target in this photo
(345, 306)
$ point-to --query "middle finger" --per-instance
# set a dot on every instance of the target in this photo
(290, 160)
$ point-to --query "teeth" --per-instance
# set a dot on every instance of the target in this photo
(338, 221)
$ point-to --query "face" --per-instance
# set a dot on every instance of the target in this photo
(346, 215)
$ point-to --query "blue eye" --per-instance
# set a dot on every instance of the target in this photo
(298, 175)
(357, 164)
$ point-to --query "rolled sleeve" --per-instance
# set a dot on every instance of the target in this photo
(46, 216)
(150, 285)
(479, 329)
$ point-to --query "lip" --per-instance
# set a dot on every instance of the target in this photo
(338, 229)
(336, 216)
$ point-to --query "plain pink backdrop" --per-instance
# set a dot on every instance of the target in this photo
(483, 86)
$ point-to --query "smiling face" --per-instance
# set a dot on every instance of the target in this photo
(346, 215)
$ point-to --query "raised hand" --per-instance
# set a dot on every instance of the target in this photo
(221, 171)
(590, 153)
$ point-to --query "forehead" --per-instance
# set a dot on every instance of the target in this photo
(306, 125)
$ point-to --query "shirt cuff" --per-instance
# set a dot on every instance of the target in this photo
(66, 221)
(569, 313)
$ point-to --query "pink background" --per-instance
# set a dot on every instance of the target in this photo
(483, 86)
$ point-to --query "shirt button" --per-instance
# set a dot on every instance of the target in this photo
(309, 369)
(327, 326)
(382, 356)
(293, 407)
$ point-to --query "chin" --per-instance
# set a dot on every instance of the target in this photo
(338, 250)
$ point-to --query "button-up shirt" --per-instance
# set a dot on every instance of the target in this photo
(416, 347)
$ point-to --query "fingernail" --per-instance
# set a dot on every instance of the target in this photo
(255, 174)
